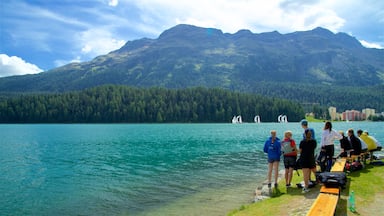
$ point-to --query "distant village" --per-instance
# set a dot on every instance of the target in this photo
(352, 115)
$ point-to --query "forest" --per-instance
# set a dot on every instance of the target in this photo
(123, 104)
(341, 97)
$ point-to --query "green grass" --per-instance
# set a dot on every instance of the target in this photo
(365, 183)
(268, 206)
(313, 119)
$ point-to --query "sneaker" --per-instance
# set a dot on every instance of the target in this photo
(305, 190)
(269, 185)
(288, 185)
(276, 185)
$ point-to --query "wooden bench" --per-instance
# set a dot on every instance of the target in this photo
(325, 204)
(335, 191)
(361, 157)
(352, 158)
(339, 165)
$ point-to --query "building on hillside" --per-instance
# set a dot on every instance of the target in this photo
(339, 117)
(368, 112)
(333, 113)
(352, 115)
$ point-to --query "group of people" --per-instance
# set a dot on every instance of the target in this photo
(349, 145)
(288, 148)
(355, 145)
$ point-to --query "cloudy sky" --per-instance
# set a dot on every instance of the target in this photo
(38, 35)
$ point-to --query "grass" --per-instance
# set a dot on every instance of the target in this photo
(268, 206)
(313, 119)
(367, 185)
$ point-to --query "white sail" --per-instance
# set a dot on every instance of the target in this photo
(237, 119)
(282, 119)
(257, 119)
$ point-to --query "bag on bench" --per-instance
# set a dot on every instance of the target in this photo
(333, 179)
(354, 166)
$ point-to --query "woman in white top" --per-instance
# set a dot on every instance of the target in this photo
(327, 144)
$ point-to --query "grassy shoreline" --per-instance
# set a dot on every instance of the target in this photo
(367, 185)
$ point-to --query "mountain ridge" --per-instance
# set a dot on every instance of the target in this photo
(189, 56)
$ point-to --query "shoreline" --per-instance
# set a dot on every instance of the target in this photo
(263, 192)
(369, 200)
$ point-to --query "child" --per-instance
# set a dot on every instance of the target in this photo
(289, 150)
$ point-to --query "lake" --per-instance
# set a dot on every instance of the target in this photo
(138, 169)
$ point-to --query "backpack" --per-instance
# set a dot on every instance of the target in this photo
(287, 148)
(333, 179)
(354, 166)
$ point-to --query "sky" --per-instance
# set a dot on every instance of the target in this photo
(39, 35)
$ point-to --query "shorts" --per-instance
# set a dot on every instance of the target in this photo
(308, 164)
(273, 160)
(289, 162)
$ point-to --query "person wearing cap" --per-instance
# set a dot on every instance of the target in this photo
(304, 125)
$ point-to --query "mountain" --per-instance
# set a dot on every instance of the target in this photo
(188, 56)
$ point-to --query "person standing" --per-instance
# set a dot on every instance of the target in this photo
(273, 148)
(304, 125)
(327, 144)
(289, 150)
(307, 157)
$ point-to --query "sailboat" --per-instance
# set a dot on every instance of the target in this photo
(237, 120)
(282, 119)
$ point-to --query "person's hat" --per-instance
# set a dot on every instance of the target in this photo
(304, 122)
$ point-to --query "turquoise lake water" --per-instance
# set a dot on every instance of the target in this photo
(137, 169)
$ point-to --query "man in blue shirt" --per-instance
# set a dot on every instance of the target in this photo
(304, 125)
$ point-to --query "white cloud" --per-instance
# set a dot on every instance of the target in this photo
(371, 45)
(73, 30)
(113, 3)
(231, 16)
(13, 65)
(98, 41)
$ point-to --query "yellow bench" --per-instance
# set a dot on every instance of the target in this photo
(339, 165)
(329, 190)
(325, 204)
(362, 157)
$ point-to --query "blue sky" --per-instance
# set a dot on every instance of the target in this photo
(38, 35)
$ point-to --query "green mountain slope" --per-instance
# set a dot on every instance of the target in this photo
(187, 56)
